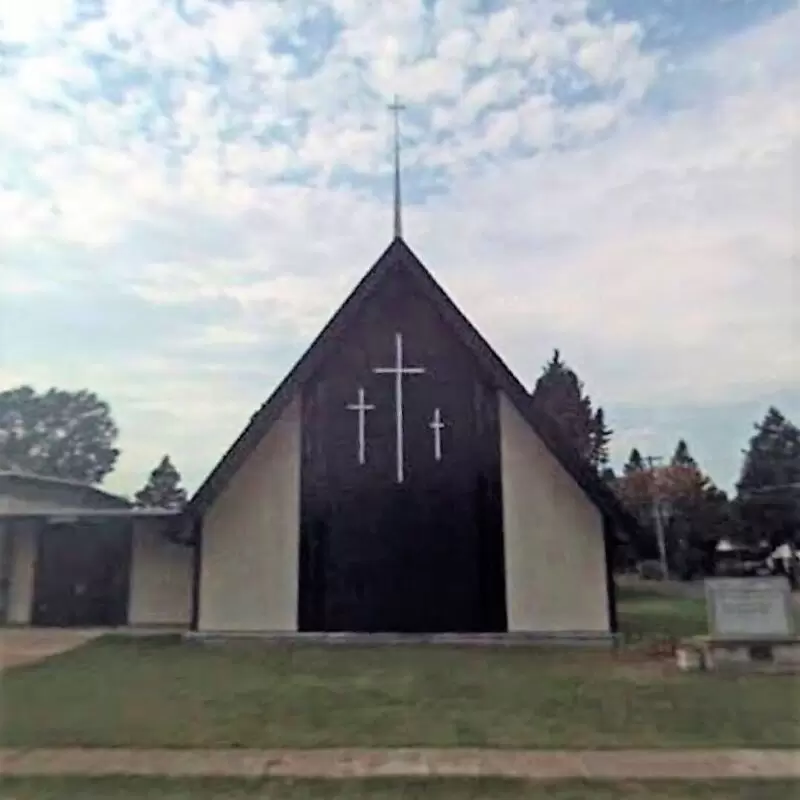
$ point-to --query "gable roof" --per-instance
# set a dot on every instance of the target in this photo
(398, 256)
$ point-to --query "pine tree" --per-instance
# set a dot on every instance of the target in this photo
(560, 395)
(635, 462)
(608, 475)
(690, 496)
(163, 489)
(601, 437)
(682, 458)
(635, 488)
(768, 492)
(683, 477)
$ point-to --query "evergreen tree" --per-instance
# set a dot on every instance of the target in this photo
(682, 457)
(636, 489)
(608, 475)
(601, 437)
(635, 462)
(560, 395)
(768, 491)
(163, 489)
(694, 510)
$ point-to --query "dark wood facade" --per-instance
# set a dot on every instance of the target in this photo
(82, 574)
(424, 554)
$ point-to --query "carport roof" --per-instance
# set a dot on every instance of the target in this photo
(75, 514)
(11, 477)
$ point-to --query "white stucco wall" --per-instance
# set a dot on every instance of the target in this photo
(23, 558)
(161, 578)
(553, 533)
(250, 538)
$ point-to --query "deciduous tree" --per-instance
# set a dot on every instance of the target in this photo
(57, 433)
(694, 513)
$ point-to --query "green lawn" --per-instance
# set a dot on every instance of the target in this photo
(163, 692)
(149, 692)
(646, 614)
(470, 789)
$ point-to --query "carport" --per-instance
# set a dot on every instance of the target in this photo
(73, 568)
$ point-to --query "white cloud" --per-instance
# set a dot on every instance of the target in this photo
(25, 22)
(657, 248)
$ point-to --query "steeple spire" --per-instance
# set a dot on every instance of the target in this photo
(396, 108)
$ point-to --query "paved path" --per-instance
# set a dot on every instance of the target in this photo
(349, 762)
(26, 645)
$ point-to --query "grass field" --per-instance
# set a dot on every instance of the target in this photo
(142, 692)
(648, 611)
(128, 692)
(469, 789)
(644, 613)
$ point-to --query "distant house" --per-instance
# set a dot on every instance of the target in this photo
(74, 555)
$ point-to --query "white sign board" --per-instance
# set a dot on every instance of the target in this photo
(749, 607)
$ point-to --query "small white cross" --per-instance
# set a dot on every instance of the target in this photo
(436, 426)
(361, 407)
(398, 370)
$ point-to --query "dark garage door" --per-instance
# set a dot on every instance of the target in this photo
(82, 575)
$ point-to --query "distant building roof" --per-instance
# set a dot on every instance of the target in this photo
(73, 514)
(20, 477)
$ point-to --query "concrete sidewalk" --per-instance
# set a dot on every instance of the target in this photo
(408, 762)
(28, 645)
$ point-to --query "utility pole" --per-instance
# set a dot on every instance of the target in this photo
(658, 520)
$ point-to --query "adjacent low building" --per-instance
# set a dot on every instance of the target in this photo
(74, 555)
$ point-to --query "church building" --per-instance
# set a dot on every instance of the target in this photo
(400, 480)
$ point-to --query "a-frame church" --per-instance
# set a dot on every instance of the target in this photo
(399, 480)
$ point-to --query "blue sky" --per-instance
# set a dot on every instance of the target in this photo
(189, 189)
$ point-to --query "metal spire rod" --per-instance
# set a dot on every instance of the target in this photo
(396, 108)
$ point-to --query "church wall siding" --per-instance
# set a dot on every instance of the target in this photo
(161, 575)
(553, 534)
(248, 578)
(21, 572)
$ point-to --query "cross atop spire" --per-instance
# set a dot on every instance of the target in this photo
(396, 108)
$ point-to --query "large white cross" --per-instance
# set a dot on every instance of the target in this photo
(361, 407)
(398, 370)
(436, 426)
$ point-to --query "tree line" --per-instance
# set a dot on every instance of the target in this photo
(677, 496)
(72, 435)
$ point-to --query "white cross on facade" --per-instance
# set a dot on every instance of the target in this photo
(436, 426)
(361, 407)
(398, 370)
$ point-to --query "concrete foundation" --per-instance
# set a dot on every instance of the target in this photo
(753, 654)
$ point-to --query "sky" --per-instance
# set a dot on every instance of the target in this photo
(188, 191)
